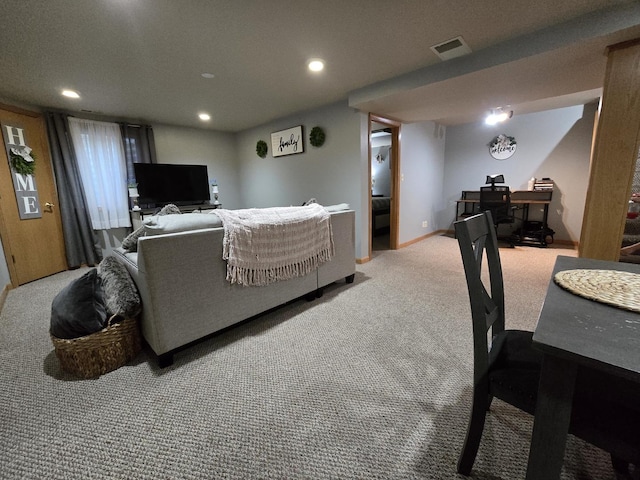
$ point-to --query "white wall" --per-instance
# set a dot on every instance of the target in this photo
(422, 152)
(554, 143)
(216, 150)
(332, 173)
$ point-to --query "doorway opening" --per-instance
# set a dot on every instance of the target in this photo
(384, 155)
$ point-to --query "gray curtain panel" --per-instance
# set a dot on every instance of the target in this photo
(139, 146)
(79, 238)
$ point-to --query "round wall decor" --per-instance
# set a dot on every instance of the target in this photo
(261, 148)
(502, 147)
(316, 137)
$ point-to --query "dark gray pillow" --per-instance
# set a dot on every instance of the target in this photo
(120, 293)
(130, 242)
(79, 309)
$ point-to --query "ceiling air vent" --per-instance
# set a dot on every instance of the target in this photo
(456, 47)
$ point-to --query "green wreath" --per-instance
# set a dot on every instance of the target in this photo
(261, 148)
(20, 165)
(316, 137)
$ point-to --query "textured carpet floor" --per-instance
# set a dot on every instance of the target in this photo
(372, 381)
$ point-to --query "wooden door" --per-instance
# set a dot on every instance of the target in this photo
(33, 247)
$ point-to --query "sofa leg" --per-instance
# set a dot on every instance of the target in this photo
(350, 278)
(311, 296)
(319, 292)
(165, 360)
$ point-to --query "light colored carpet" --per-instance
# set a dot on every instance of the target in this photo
(372, 381)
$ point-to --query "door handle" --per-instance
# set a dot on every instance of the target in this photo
(49, 205)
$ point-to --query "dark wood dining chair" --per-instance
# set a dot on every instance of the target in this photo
(510, 369)
(606, 411)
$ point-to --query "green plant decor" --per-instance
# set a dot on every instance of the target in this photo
(316, 137)
(23, 160)
(261, 148)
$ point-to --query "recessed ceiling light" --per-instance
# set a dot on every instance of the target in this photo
(70, 94)
(316, 65)
(204, 116)
(207, 75)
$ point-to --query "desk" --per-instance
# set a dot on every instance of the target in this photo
(534, 233)
(573, 332)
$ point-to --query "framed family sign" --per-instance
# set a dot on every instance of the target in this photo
(287, 142)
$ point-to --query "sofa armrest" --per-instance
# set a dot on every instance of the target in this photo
(343, 264)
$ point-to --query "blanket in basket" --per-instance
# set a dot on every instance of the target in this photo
(265, 245)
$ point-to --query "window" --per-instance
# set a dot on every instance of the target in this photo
(102, 166)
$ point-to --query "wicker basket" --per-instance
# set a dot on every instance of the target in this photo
(101, 352)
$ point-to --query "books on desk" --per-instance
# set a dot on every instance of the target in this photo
(543, 184)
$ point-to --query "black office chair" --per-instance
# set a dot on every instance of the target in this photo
(606, 411)
(497, 200)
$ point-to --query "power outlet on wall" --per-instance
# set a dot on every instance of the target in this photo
(425, 224)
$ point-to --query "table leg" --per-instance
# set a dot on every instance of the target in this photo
(545, 225)
(553, 414)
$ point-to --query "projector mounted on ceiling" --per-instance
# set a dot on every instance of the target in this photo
(456, 47)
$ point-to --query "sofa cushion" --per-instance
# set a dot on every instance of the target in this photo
(337, 208)
(130, 242)
(158, 225)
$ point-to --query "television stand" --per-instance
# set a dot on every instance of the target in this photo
(197, 208)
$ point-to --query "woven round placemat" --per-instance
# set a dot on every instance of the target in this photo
(620, 289)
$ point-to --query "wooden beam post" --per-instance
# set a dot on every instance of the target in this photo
(614, 155)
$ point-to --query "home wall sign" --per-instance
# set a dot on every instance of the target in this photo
(502, 147)
(287, 142)
(22, 165)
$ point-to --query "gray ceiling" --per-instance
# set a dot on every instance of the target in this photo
(142, 59)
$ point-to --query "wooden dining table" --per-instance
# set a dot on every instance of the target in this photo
(574, 332)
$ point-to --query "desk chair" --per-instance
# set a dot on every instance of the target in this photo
(606, 411)
(497, 200)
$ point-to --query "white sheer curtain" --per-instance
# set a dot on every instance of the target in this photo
(103, 170)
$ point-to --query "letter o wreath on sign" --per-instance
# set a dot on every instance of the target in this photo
(23, 161)
(502, 147)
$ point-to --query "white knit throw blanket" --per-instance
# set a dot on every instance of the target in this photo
(265, 245)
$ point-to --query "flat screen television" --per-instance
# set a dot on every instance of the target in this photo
(162, 183)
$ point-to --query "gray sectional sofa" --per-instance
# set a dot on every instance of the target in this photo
(181, 279)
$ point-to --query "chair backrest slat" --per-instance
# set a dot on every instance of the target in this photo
(478, 243)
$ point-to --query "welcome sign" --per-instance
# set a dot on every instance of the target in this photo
(21, 160)
(502, 147)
